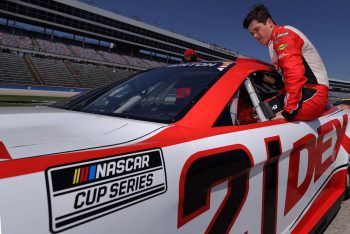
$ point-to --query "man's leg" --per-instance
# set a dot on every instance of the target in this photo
(315, 106)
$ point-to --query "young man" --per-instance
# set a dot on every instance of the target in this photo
(294, 56)
(190, 55)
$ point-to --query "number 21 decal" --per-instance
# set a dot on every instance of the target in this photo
(206, 169)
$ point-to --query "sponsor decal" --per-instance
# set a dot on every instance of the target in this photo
(282, 55)
(282, 47)
(321, 152)
(200, 174)
(85, 191)
(282, 34)
(224, 65)
(312, 161)
(194, 65)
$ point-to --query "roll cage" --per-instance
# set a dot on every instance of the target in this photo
(251, 102)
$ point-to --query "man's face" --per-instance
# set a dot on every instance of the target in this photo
(187, 58)
(260, 31)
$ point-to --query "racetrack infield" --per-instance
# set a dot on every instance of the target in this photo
(9, 100)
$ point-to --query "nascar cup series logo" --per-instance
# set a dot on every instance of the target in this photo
(85, 191)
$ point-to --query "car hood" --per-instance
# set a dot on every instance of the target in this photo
(33, 131)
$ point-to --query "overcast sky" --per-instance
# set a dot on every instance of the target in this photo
(325, 23)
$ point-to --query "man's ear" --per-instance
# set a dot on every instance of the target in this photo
(269, 22)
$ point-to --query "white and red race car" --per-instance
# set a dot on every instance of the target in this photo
(172, 150)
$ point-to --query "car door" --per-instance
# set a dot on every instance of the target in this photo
(271, 172)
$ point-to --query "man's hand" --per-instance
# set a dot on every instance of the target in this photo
(278, 116)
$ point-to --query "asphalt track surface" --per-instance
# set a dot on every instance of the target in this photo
(341, 222)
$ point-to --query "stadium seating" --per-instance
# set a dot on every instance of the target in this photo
(16, 40)
(91, 75)
(116, 74)
(113, 58)
(54, 72)
(333, 96)
(86, 53)
(62, 62)
(53, 47)
(135, 62)
(13, 70)
(152, 63)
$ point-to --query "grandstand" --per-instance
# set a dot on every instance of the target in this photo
(70, 44)
(338, 89)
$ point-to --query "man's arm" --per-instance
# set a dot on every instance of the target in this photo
(288, 48)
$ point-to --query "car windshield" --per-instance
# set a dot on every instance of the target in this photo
(161, 95)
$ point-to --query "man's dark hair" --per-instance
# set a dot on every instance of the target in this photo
(259, 13)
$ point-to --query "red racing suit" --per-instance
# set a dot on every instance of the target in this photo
(298, 61)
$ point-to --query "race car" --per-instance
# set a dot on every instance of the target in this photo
(184, 148)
